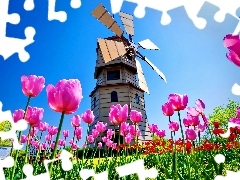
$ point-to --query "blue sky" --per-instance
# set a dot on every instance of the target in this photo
(193, 60)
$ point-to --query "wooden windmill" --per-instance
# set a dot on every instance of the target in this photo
(120, 78)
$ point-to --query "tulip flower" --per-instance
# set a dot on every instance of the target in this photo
(88, 117)
(232, 42)
(99, 145)
(90, 139)
(65, 133)
(153, 128)
(76, 121)
(95, 133)
(190, 134)
(167, 109)
(32, 85)
(110, 133)
(128, 138)
(119, 113)
(18, 115)
(78, 132)
(178, 101)
(173, 126)
(48, 137)
(101, 127)
(135, 116)
(65, 96)
(52, 130)
(161, 133)
(33, 131)
(34, 116)
(23, 139)
(124, 128)
(43, 126)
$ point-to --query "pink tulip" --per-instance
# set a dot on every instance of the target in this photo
(232, 42)
(119, 113)
(167, 109)
(65, 96)
(43, 126)
(101, 127)
(18, 115)
(71, 141)
(190, 134)
(52, 130)
(52, 145)
(99, 145)
(186, 122)
(114, 145)
(48, 137)
(135, 116)
(74, 146)
(90, 139)
(238, 112)
(110, 133)
(112, 118)
(44, 145)
(128, 138)
(23, 139)
(124, 128)
(88, 117)
(193, 120)
(200, 105)
(197, 111)
(153, 128)
(201, 128)
(76, 121)
(109, 143)
(131, 129)
(61, 142)
(33, 131)
(32, 85)
(104, 139)
(178, 101)
(78, 133)
(161, 133)
(173, 126)
(95, 133)
(34, 116)
(65, 133)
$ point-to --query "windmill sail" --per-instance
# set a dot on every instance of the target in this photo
(111, 49)
(141, 79)
(127, 21)
(104, 16)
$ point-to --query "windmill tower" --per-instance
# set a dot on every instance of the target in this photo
(120, 78)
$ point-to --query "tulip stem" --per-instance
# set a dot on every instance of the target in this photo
(56, 142)
(19, 136)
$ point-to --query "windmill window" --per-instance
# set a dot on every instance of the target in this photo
(114, 96)
(113, 75)
(94, 102)
(136, 98)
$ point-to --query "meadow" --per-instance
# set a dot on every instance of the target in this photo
(189, 157)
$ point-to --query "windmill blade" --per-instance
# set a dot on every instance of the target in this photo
(148, 44)
(127, 21)
(111, 49)
(153, 66)
(101, 13)
(141, 79)
(156, 69)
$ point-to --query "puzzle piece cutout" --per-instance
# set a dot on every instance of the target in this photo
(230, 125)
(9, 45)
(5, 163)
(65, 163)
(21, 125)
(138, 168)
(52, 14)
(192, 9)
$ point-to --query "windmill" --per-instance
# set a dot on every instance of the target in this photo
(116, 70)
(101, 14)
